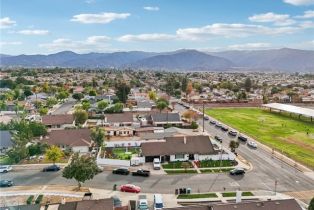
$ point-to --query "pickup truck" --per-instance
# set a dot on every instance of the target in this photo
(141, 172)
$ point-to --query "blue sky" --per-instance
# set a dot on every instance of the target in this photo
(48, 26)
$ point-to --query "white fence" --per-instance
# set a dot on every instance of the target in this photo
(114, 162)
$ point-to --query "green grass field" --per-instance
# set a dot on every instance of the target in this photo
(287, 134)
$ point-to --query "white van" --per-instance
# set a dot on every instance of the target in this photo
(158, 204)
(156, 164)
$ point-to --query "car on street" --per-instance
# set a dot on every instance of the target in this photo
(252, 144)
(218, 139)
(218, 125)
(5, 168)
(213, 122)
(156, 164)
(233, 133)
(51, 168)
(206, 118)
(6, 183)
(223, 128)
(141, 172)
(130, 188)
(121, 171)
(237, 171)
(242, 138)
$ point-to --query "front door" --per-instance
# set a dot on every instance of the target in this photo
(191, 156)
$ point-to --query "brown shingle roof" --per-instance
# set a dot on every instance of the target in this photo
(102, 204)
(119, 118)
(289, 204)
(69, 137)
(175, 145)
(57, 119)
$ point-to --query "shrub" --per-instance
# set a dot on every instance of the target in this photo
(30, 199)
(39, 199)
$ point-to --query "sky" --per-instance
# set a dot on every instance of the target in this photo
(83, 26)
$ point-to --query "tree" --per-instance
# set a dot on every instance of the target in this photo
(80, 116)
(78, 96)
(92, 92)
(86, 105)
(62, 95)
(194, 125)
(189, 115)
(3, 106)
(43, 111)
(189, 88)
(37, 129)
(54, 154)
(81, 168)
(247, 84)
(101, 105)
(233, 145)
(98, 136)
(51, 101)
(184, 84)
(311, 205)
(152, 95)
(161, 105)
(122, 92)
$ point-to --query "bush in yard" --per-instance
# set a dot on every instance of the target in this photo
(194, 125)
(30, 199)
(39, 199)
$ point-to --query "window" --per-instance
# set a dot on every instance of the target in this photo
(179, 156)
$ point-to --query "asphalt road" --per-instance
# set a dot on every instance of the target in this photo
(65, 107)
(265, 171)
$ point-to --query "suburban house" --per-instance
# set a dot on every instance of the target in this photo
(119, 120)
(162, 119)
(78, 140)
(6, 142)
(102, 204)
(181, 148)
(288, 204)
(119, 131)
(58, 121)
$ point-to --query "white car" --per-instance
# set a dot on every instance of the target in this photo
(156, 164)
(5, 169)
(252, 144)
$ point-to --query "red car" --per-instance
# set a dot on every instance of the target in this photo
(130, 188)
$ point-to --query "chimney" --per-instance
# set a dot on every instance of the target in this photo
(238, 196)
(184, 139)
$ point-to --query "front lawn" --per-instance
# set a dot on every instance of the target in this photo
(121, 153)
(188, 171)
(195, 196)
(215, 163)
(223, 170)
(177, 164)
(233, 194)
(287, 134)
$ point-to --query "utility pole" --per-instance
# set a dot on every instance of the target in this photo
(203, 116)
(220, 157)
(276, 183)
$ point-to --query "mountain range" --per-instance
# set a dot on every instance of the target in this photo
(285, 59)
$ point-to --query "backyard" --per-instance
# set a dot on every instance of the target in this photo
(288, 134)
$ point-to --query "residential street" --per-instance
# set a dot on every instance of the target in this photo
(65, 107)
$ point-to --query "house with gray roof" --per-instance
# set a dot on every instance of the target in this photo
(6, 142)
(162, 119)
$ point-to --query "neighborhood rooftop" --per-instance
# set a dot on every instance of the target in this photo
(57, 119)
(70, 137)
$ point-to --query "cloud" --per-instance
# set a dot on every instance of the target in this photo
(145, 37)
(101, 18)
(277, 19)
(150, 8)
(90, 1)
(33, 32)
(249, 46)
(299, 2)
(92, 43)
(6, 22)
(10, 43)
(306, 15)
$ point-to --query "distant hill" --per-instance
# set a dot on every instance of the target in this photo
(290, 60)
(284, 59)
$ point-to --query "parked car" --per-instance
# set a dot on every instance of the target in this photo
(51, 168)
(141, 172)
(121, 171)
(242, 138)
(206, 118)
(6, 183)
(158, 203)
(213, 122)
(233, 133)
(142, 203)
(237, 171)
(130, 188)
(5, 168)
(218, 139)
(252, 144)
(218, 125)
(223, 128)
(156, 164)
